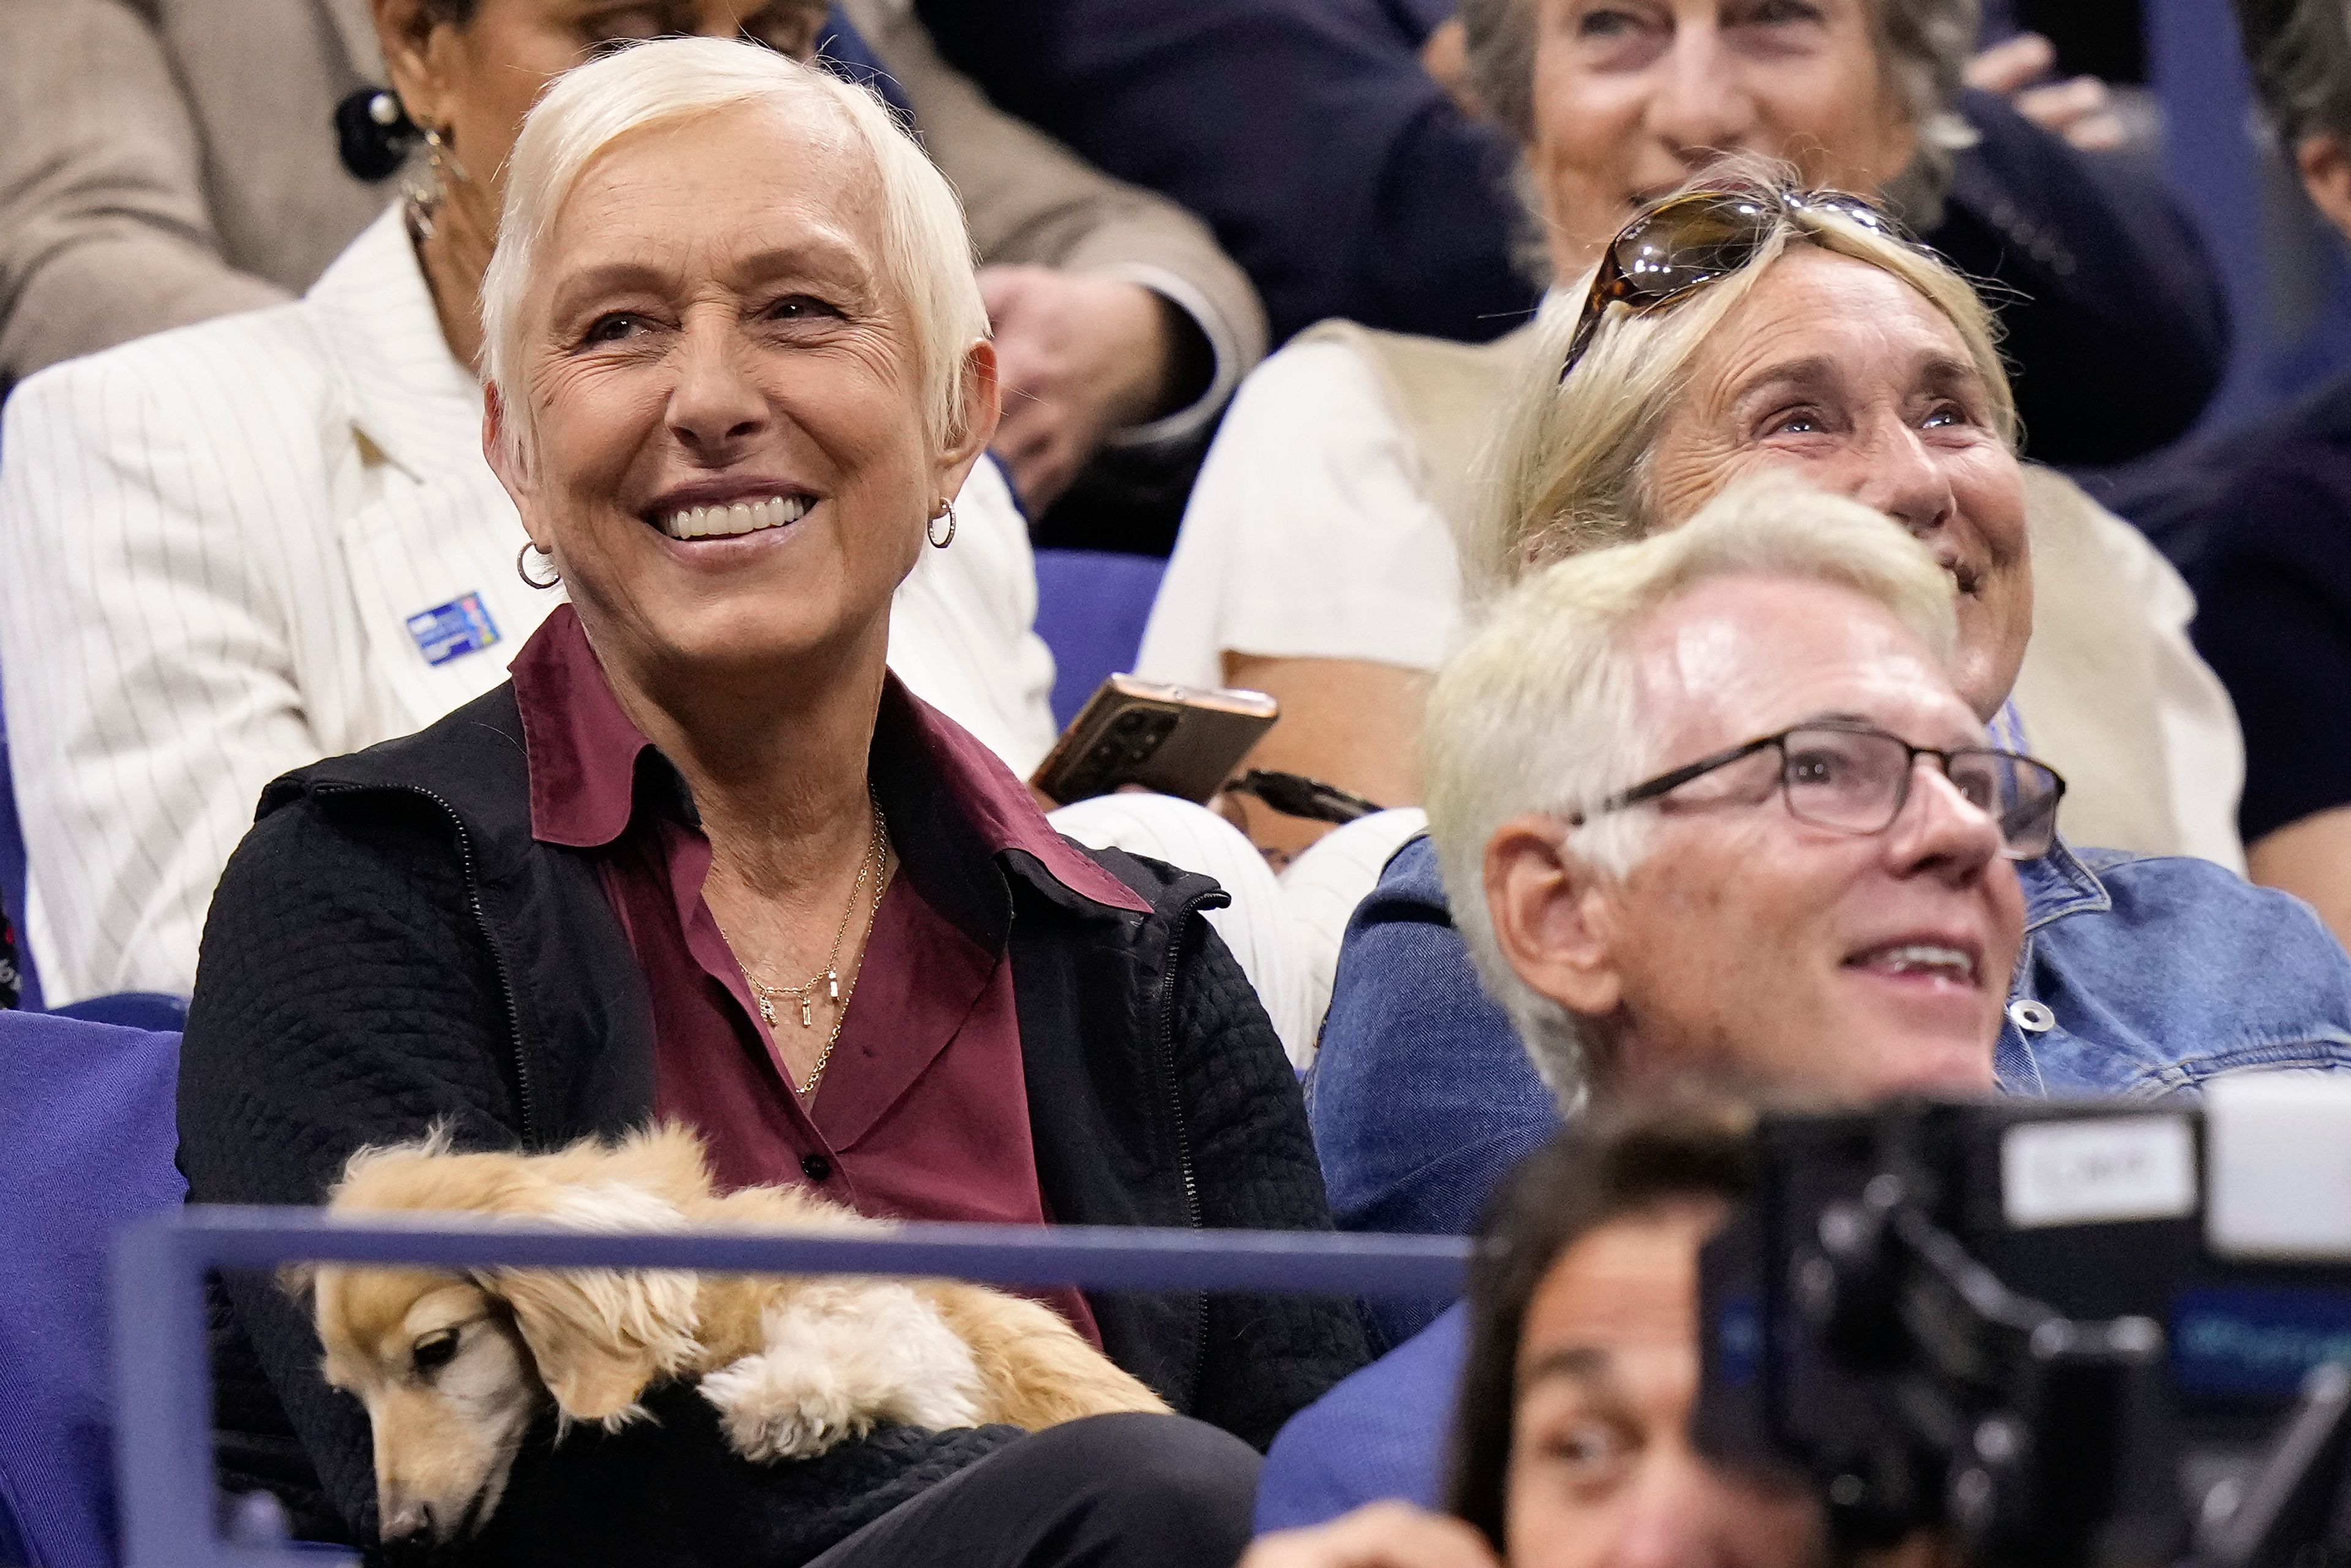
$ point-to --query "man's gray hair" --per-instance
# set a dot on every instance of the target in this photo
(1923, 47)
(926, 251)
(1540, 712)
(2301, 55)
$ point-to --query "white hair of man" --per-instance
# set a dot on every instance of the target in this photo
(926, 249)
(1540, 711)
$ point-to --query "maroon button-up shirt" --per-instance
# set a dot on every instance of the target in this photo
(923, 1113)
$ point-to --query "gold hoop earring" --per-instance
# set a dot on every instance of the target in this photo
(522, 569)
(946, 511)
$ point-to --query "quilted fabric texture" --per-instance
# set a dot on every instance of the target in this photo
(1248, 1124)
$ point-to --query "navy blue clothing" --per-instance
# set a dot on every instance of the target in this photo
(2260, 524)
(1379, 1433)
(2159, 972)
(2116, 328)
(1347, 184)
(1330, 165)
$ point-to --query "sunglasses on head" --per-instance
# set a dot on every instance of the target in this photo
(1686, 242)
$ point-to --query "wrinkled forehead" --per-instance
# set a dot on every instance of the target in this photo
(1738, 657)
(701, 193)
(1817, 316)
(1621, 1301)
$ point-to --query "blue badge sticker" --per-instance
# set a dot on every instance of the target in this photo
(446, 631)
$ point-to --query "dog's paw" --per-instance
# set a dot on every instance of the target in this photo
(841, 1358)
(770, 1410)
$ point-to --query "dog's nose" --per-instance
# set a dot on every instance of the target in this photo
(404, 1521)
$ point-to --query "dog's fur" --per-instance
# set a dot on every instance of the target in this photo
(452, 1366)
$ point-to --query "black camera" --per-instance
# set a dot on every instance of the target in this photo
(2092, 1335)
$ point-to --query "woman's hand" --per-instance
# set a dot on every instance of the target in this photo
(1079, 355)
(2080, 109)
(1381, 1535)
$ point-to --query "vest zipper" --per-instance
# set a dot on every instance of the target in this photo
(481, 922)
(1182, 1131)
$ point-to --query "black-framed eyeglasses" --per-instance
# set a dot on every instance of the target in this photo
(1689, 241)
(1855, 777)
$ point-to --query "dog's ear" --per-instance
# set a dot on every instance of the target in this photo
(600, 1336)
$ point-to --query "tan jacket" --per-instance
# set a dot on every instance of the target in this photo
(164, 162)
(2112, 693)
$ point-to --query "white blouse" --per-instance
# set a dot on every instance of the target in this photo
(1308, 535)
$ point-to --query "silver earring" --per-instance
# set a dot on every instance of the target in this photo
(522, 568)
(931, 532)
(427, 191)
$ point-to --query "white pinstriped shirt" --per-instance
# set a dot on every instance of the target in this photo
(211, 545)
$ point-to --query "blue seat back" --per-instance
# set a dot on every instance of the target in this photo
(1091, 609)
(88, 1129)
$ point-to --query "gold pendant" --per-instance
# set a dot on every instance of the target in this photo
(768, 1011)
(808, 1017)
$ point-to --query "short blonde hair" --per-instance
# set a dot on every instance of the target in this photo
(1569, 467)
(1539, 712)
(926, 250)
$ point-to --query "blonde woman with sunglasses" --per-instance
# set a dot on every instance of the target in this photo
(1323, 554)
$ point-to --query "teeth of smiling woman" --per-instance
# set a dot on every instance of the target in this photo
(1920, 955)
(742, 518)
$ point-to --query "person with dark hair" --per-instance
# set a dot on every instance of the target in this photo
(1571, 1445)
(2260, 520)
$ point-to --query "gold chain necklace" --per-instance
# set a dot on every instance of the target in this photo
(874, 865)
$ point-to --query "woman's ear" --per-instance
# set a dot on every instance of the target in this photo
(983, 408)
(404, 29)
(502, 447)
(1552, 916)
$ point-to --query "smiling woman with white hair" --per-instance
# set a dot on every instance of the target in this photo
(704, 858)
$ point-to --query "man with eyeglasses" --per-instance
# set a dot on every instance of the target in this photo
(1710, 805)
(1730, 816)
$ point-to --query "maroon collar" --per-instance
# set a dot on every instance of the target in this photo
(582, 750)
(583, 755)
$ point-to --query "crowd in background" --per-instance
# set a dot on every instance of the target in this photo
(1810, 540)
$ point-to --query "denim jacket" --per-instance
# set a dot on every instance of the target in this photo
(2138, 977)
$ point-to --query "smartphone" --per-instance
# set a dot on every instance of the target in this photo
(1171, 740)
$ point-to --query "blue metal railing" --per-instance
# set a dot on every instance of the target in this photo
(163, 1381)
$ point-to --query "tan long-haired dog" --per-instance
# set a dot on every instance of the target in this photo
(453, 1365)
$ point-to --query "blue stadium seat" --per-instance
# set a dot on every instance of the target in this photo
(152, 1010)
(87, 1119)
(1091, 607)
